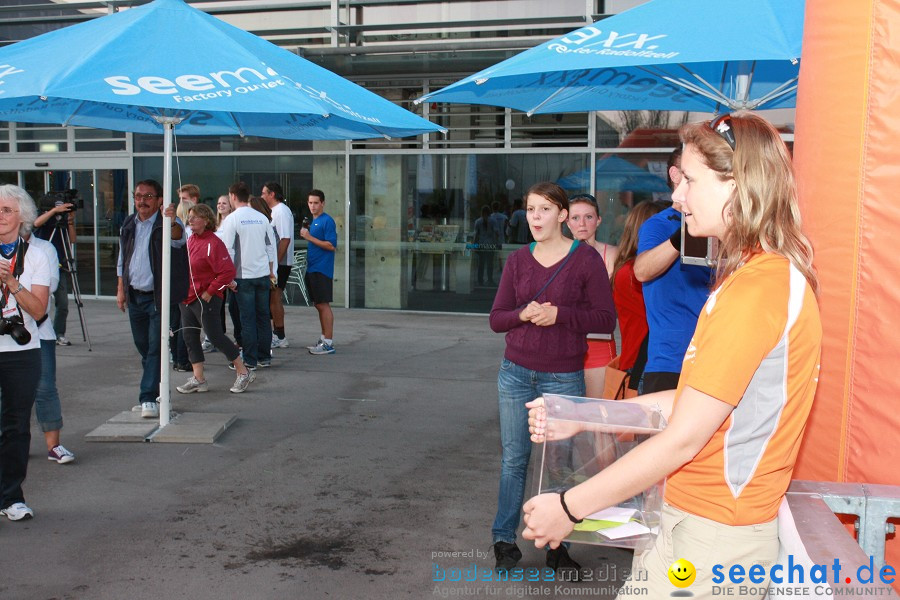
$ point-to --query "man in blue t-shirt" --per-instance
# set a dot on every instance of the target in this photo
(322, 238)
(674, 293)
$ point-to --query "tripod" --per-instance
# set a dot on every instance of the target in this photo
(61, 227)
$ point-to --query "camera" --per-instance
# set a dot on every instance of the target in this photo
(51, 200)
(305, 223)
(15, 328)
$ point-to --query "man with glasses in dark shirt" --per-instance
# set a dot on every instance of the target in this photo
(140, 282)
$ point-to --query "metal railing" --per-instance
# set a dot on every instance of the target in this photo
(871, 504)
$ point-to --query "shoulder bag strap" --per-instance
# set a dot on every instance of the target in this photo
(555, 273)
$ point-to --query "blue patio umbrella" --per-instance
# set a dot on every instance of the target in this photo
(686, 55)
(167, 59)
(614, 173)
(165, 65)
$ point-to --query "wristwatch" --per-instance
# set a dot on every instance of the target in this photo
(18, 289)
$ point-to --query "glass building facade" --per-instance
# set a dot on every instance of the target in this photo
(405, 209)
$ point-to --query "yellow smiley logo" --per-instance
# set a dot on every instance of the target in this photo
(682, 573)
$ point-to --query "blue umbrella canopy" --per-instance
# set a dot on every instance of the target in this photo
(614, 173)
(165, 65)
(687, 55)
(124, 70)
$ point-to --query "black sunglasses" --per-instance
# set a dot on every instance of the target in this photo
(587, 197)
(722, 126)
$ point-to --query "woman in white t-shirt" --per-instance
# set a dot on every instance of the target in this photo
(24, 292)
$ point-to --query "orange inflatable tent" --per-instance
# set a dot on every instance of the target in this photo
(847, 156)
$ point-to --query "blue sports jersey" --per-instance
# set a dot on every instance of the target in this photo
(673, 300)
(319, 260)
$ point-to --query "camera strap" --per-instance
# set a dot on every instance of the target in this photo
(18, 262)
(555, 273)
(17, 267)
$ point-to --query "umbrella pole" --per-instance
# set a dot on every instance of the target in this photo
(165, 308)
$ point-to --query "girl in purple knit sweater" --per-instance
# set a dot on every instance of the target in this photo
(546, 326)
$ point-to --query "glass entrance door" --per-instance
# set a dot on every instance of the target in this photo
(101, 198)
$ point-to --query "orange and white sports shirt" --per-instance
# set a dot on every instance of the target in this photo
(756, 347)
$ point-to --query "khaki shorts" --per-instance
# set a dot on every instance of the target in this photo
(704, 543)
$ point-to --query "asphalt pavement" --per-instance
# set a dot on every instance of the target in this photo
(370, 473)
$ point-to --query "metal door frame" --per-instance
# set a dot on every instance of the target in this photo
(33, 163)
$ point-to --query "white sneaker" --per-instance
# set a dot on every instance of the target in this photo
(62, 341)
(242, 382)
(322, 348)
(150, 410)
(208, 346)
(193, 385)
(60, 455)
(17, 512)
(140, 407)
(278, 342)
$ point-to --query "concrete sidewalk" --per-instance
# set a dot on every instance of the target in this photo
(354, 475)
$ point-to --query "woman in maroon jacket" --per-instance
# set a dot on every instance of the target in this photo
(211, 272)
(552, 293)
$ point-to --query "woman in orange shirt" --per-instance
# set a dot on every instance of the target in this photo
(748, 380)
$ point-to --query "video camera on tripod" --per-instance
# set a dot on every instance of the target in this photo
(51, 200)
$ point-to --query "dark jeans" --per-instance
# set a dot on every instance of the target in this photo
(256, 323)
(19, 374)
(61, 300)
(144, 318)
(235, 313)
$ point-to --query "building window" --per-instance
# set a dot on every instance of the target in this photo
(41, 138)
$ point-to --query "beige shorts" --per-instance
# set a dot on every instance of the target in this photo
(704, 543)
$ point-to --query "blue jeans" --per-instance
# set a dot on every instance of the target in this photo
(256, 324)
(517, 385)
(46, 399)
(61, 300)
(144, 318)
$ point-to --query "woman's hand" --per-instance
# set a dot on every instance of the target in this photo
(530, 311)
(560, 429)
(537, 420)
(545, 521)
(5, 272)
(545, 316)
